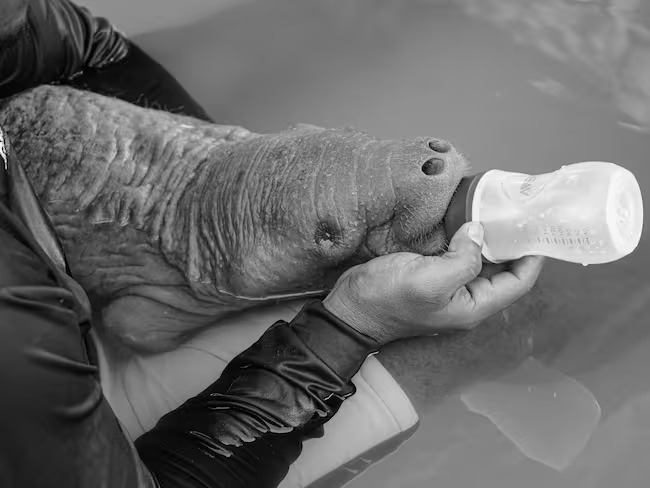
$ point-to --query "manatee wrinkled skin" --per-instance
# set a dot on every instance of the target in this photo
(169, 223)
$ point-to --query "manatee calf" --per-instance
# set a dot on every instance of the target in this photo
(172, 224)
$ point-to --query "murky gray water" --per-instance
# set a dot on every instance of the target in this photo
(523, 85)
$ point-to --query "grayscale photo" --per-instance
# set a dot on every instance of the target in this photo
(324, 244)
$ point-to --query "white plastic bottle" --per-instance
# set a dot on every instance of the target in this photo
(587, 213)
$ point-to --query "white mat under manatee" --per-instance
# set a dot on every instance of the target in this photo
(142, 389)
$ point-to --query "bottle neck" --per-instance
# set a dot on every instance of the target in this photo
(459, 210)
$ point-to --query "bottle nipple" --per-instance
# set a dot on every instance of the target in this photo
(459, 210)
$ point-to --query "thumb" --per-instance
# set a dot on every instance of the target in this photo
(464, 254)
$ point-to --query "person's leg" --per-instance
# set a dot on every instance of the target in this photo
(56, 427)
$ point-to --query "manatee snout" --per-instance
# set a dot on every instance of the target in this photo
(407, 202)
(425, 174)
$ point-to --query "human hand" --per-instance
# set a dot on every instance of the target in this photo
(404, 294)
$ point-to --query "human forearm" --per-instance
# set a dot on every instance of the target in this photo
(248, 427)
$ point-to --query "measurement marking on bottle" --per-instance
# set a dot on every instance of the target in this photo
(560, 240)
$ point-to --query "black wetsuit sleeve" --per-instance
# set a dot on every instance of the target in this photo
(247, 428)
(56, 41)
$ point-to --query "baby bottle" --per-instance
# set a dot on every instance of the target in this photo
(588, 213)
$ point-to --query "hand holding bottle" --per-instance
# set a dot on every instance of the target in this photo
(405, 294)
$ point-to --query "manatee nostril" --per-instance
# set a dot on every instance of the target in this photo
(433, 166)
(438, 145)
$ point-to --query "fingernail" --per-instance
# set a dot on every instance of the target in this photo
(475, 232)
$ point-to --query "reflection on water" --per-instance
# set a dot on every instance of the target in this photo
(608, 41)
(546, 414)
(551, 87)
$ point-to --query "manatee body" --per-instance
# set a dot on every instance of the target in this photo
(172, 224)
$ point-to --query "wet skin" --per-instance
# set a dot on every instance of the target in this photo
(171, 223)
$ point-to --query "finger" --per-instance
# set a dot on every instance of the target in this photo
(463, 259)
(490, 269)
(490, 295)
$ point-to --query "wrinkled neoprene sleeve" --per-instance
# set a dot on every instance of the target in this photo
(56, 41)
(247, 428)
